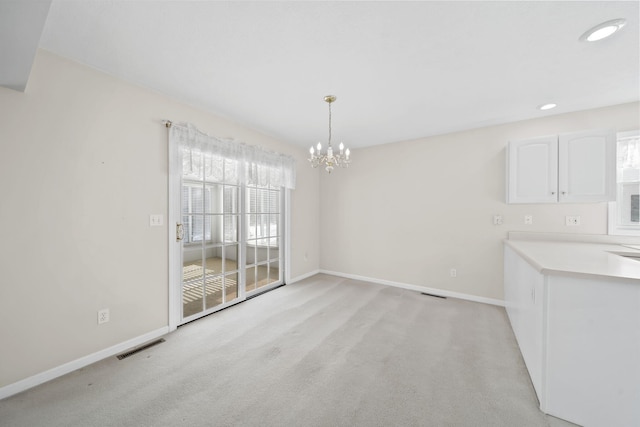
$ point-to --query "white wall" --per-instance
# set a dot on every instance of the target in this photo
(83, 163)
(409, 212)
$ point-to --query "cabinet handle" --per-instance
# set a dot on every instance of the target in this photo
(564, 192)
(553, 193)
(533, 295)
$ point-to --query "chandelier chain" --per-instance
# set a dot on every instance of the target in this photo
(329, 124)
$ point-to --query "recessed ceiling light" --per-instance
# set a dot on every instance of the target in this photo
(547, 106)
(603, 30)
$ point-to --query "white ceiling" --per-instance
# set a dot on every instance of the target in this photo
(21, 25)
(400, 70)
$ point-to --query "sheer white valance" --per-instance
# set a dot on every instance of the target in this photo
(218, 159)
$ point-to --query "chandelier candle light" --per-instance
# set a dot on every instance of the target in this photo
(330, 159)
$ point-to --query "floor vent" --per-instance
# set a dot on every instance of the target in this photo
(139, 349)
(433, 295)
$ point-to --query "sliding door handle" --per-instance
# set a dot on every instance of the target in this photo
(179, 232)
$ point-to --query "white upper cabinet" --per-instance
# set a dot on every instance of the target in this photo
(575, 168)
(533, 170)
(587, 166)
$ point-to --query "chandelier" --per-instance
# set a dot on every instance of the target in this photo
(329, 159)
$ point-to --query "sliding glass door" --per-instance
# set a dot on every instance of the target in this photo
(210, 245)
(227, 204)
(231, 234)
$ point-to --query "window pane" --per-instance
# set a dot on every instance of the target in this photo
(252, 200)
(626, 214)
(252, 222)
(230, 228)
(213, 198)
(274, 202)
(192, 289)
(230, 202)
(274, 225)
(262, 275)
(251, 252)
(230, 258)
(628, 193)
(251, 279)
(197, 200)
(274, 250)
(214, 290)
(214, 229)
(186, 199)
(629, 158)
(231, 286)
(261, 254)
(262, 229)
(263, 201)
(196, 228)
(274, 272)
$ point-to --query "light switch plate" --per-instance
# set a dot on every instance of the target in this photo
(156, 220)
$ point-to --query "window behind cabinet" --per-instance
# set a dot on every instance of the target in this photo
(624, 217)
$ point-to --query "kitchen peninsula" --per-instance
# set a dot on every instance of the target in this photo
(574, 305)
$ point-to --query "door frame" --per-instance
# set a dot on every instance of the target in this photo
(175, 246)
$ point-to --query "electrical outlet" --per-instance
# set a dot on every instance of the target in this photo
(453, 272)
(572, 220)
(103, 316)
(528, 219)
(497, 220)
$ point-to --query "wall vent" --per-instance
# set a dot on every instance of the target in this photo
(139, 349)
(433, 295)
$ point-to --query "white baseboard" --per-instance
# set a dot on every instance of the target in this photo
(417, 288)
(74, 365)
(304, 276)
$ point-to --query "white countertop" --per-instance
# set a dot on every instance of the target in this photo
(579, 258)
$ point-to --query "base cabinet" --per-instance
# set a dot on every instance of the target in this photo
(580, 339)
(524, 295)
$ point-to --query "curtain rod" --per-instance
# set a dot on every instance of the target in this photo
(169, 123)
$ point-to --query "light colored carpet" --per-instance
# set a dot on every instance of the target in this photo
(322, 352)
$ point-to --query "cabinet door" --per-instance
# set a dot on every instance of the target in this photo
(524, 294)
(587, 162)
(532, 168)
